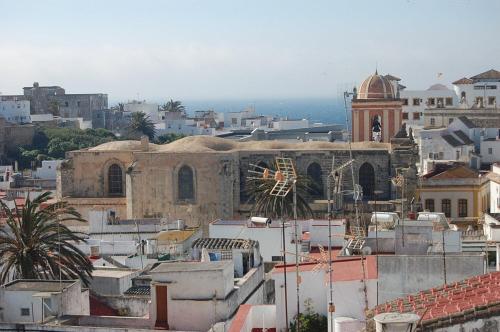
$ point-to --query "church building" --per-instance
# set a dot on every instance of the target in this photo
(376, 109)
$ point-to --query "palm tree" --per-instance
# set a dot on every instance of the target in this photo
(36, 245)
(142, 124)
(258, 191)
(173, 106)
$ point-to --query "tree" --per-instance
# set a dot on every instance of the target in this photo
(140, 123)
(173, 106)
(258, 191)
(35, 244)
(168, 138)
(310, 321)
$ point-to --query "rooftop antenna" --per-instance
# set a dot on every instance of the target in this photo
(285, 178)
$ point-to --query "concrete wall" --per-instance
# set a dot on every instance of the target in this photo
(112, 285)
(402, 275)
(133, 306)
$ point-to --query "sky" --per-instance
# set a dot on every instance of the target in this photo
(218, 49)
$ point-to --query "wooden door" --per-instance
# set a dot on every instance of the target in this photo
(161, 307)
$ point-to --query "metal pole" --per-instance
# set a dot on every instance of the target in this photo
(330, 302)
(444, 259)
(296, 251)
(376, 237)
(284, 269)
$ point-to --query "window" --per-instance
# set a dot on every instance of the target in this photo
(449, 101)
(66, 104)
(416, 101)
(446, 207)
(491, 101)
(457, 154)
(450, 120)
(78, 103)
(490, 150)
(115, 180)
(479, 101)
(25, 311)
(433, 122)
(234, 121)
(462, 208)
(441, 155)
(416, 116)
(367, 180)
(404, 101)
(431, 102)
(431, 155)
(277, 258)
(440, 102)
(429, 205)
(185, 183)
(405, 116)
(316, 175)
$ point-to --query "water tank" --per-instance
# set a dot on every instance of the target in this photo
(348, 324)
(396, 322)
(260, 221)
(385, 218)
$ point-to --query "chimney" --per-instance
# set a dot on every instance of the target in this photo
(144, 143)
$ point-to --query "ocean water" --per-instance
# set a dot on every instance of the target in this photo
(327, 111)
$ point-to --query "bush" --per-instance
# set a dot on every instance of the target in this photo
(310, 321)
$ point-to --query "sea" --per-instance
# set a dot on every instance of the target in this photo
(317, 110)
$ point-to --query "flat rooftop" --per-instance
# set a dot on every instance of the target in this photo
(112, 272)
(38, 285)
(191, 266)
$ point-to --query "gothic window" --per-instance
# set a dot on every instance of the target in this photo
(367, 180)
(185, 183)
(115, 180)
(315, 175)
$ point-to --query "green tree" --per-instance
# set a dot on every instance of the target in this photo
(140, 123)
(173, 106)
(35, 244)
(168, 138)
(259, 190)
(310, 321)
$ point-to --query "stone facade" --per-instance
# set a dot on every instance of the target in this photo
(54, 100)
(218, 167)
(13, 135)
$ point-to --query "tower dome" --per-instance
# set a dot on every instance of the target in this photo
(376, 87)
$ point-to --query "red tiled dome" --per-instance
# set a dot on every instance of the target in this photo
(376, 87)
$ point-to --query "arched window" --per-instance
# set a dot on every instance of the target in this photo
(115, 180)
(185, 183)
(367, 180)
(315, 175)
(377, 128)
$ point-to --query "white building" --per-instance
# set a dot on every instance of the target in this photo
(15, 111)
(48, 171)
(193, 296)
(150, 109)
(350, 297)
(34, 301)
(286, 124)
(416, 102)
(442, 145)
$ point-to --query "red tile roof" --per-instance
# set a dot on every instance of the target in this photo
(456, 301)
(344, 269)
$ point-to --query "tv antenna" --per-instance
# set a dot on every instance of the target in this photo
(285, 181)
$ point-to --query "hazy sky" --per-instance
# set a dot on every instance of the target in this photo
(241, 49)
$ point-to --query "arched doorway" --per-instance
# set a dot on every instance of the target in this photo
(315, 174)
(367, 180)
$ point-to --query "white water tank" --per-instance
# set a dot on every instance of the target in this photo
(396, 322)
(385, 218)
(348, 324)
